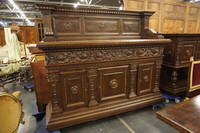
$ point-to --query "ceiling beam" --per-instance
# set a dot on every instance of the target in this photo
(11, 11)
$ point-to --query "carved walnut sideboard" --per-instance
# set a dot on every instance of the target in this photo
(100, 62)
(176, 62)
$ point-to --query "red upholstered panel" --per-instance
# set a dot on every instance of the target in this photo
(196, 75)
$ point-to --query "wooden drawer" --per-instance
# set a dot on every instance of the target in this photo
(112, 83)
(66, 25)
(131, 26)
(187, 51)
(101, 26)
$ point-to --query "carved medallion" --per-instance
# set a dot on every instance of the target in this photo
(113, 83)
(67, 25)
(102, 26)
(146, 78)
(74, 90)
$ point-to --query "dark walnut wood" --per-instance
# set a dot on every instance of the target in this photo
(176, 62)
(99, 62)
(183, 116)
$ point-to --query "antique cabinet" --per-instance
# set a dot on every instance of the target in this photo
(27, 34)
(100, 62)
(176, 62)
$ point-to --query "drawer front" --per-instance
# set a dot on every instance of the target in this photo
(101, 26)
(146, 78)
(131, 26)
(187, 52)
(67, 25)
(113, 83)
(74, 89)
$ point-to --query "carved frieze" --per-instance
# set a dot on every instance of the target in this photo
(101, 55)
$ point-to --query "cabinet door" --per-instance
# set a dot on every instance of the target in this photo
(74, 89)
(187, 51)
(146, 78)
(112, 82)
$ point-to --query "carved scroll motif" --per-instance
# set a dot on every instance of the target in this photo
(133, 70)
(92, 73)
(100, 55)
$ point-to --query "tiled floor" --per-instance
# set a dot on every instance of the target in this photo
(137, 121)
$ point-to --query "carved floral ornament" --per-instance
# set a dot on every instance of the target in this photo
(101, 55)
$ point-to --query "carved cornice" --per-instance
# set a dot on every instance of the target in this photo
(96, 44)
(58, 8)
(101, 55)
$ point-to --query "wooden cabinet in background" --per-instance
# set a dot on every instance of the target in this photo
(41, 86)
(176, 62)
(100, 62)
(27, 34)
(2, 36)
(39, 27)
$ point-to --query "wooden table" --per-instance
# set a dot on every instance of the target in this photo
(185, 116)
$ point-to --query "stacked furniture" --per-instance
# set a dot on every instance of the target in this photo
(100, 62)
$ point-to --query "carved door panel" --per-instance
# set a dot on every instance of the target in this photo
(113, 82)
(74, 89)
(187, 52)
(146, 78)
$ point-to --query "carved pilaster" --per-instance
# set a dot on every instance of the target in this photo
(157, 79)
(133, 72)
(54, 84)
(92, 74)
(178, 55)
(174, 77)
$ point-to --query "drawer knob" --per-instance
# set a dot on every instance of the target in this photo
(113, 83)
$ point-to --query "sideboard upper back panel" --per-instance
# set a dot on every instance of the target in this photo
(68, 23)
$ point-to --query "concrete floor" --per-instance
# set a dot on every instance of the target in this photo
(138, 121)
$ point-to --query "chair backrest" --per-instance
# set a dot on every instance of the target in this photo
(194, 79)
(10, 112)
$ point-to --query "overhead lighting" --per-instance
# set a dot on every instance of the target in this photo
(121, 8)
(76, 5)
(15, 7)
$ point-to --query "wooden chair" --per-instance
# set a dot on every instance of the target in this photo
(10, 112)
(194, 79)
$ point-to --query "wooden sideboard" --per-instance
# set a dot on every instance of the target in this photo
(176, 62)
(100, 62)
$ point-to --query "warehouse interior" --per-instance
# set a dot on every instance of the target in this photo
(99, 66)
